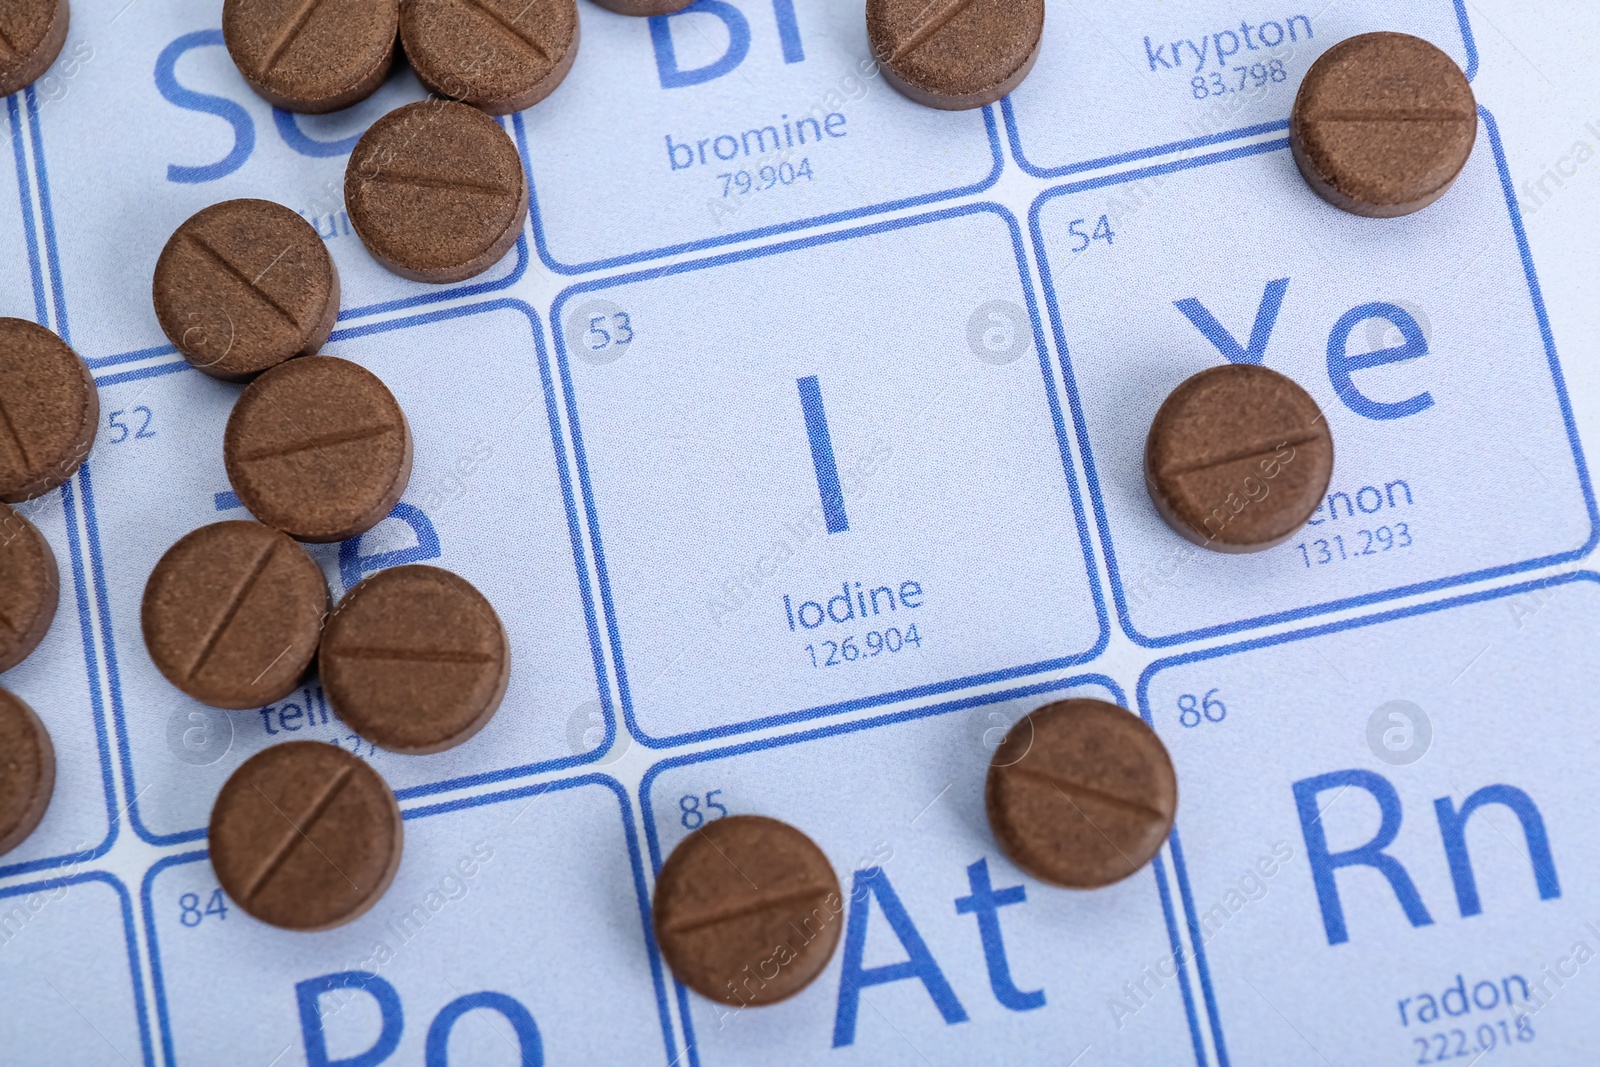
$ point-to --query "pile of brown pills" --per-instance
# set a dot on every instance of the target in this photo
(49, 411)
(955, 54)
(415, 660)
(497, 55)
(305, 836)
(1081, 794)
(1383, 124)
(232, 614)
(27, 771)
(1238, 458)
(738, 895)
(30, 587)
(318, 448)
(311, 57)
(244, 285)
(436, 191)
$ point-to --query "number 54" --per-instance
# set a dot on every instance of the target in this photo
(1083, 238)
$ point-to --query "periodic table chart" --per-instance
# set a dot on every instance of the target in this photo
(798, 443)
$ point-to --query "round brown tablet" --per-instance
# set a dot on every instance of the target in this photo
(644, 7)
(747, 911)
(318, 448)
(955, 54)
(1383, 124)
(30, 588)
(415, 659)
(305, 836)
(27, 771)
(49, 411)
(1238, 458)
(31, 35)
(497, 55)
(1081, 794)
(232, 614)
(436, 192)
(243, 286)
(312, 55)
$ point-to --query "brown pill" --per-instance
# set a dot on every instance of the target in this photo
(955, 54)
(436, 192)
(644, 7)
(743, 896)
(49, 411)
(415, 659)
(305, 836)
(1383, 124)
(1081, 794)
(31, 35)
(243, 286)
(1238, 458)
(232, 614)
(311, 55)
(30, 588)
(318, 448)
(27, 771)
(497, 55)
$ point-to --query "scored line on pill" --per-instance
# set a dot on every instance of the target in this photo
(217, 258)
(290, 32)
(423, 182)
(1234, 457)
(231, 612)
(739, 911)
(1132, 866)
(1418, 115)
(281, 853)
(1088, 792)
(5, 40)
(500, 20)
(331, 440)
(436, 655)
(938, 22)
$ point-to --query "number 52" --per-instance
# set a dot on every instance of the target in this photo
(124, 431)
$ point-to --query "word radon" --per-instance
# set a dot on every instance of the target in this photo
(755, 142)
(1455, 1001)
(1222, 45)
(856, 600)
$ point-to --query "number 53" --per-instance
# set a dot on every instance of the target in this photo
(620, 324)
